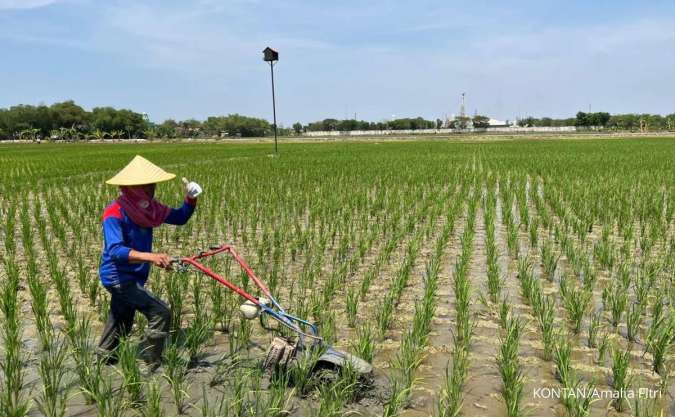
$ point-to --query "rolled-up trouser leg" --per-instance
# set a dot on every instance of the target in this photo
(119, 324)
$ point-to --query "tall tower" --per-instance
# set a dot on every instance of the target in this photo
(462, 111)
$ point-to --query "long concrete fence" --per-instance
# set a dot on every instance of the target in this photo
(442, 131)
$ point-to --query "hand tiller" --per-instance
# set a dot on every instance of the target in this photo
(282, 352)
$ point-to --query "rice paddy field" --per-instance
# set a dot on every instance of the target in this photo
(497, 278)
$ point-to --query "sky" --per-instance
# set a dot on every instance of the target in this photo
(339, 59)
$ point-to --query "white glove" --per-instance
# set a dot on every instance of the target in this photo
(192, 189)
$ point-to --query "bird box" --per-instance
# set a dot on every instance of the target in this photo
(270, 55)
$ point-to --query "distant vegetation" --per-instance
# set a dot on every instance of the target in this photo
(69, 121)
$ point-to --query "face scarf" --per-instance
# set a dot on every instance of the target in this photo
(142, 208)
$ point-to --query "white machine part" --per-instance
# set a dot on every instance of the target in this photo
(250, 311)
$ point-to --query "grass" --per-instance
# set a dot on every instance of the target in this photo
(621, 378)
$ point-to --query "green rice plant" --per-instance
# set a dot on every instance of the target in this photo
(301, 374)
(562, 357)
(197, 334)
(208, 409)
(397, 399)
(52, 399)
(504, 311)
(407, 360)
(603, 348)
(578, 405)
(364, 346)
(332, 398)
(40, 306)
(451, 400)
(510, 369)
(153, 405)
(106, 400)
(593, 328)
(241, 337)
(623, 274)
(534, 232)
(175, 374)
(615, 299)
(647, 407)
(642, 287)
(13, 402)
(549, 260)
(577, 304)
(384, 315)
(512, 240)
(621, 378)
(279, 398)
(176, 287)
(132, 382)
(546, 317)
(87, 366)
(634, 320)
(351, 306)
(660, 342)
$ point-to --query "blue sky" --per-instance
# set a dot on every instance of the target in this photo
(375, 59)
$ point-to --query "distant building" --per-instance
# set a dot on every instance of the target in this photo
(498, 123)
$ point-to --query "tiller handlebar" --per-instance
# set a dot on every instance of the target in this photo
(273, 309)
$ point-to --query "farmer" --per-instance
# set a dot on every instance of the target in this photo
(127, 254)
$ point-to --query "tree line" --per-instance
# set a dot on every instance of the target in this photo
(604, 120)
(69, 121)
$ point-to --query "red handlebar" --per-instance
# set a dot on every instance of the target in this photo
(193, 260)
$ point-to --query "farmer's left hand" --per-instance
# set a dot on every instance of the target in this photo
(192, 189)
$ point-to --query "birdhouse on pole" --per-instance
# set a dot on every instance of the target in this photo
(270, 55)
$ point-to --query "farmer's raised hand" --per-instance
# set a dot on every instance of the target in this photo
(192, 189)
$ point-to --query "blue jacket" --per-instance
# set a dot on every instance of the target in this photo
(121, 235)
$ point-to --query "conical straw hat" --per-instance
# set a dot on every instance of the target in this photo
(140, 171)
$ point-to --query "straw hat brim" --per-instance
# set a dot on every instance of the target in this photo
(140, 171)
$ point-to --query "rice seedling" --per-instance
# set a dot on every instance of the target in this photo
(621, 378)
(615, 299)
(175, 374)
(660, 342)
(106, 400)
(450, 401)
(593, 328)
(562, 358)
(364, 346)
(351, 305)
(509, 368)
(634, 320)
(132, 381)
(549, 260)
(577, 304)
(52, 399)
(197, 334)
(397, 399)
(13, 401)
(578, 405)
(647, 407)
(153, 405)
(546, 317)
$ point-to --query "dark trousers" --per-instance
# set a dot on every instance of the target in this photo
(126, 299)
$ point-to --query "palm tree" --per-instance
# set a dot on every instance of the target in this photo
(99, 134)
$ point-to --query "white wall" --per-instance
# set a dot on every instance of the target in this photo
(442, 131)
